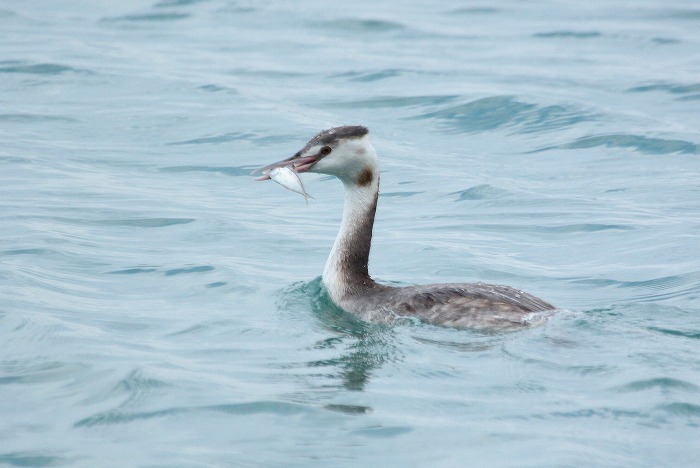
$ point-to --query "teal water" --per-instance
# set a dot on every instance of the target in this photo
(159, 308)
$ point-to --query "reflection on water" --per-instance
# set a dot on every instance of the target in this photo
(365, 346)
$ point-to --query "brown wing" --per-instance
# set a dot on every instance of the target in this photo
(468, 305)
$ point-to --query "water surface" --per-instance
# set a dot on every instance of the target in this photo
(158, 307)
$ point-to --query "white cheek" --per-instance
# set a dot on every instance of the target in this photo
(325, 165)
(334, 165)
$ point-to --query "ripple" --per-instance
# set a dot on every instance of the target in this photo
(483, 114)
(586, 227)
(236, 171)
(348, 409)
(662, 288)
(663, 383)
(363, 346)
(383, 432)
(660, 283)
(357, 25)
(256, 407)
(480, 192)
(494, 112)
(139, 387)
(668, 87)
(32, 459)
(393, 102)
(370, 76)
(636, 142)
(480, 341)
(133, 271)
(212, 88)
(214, 139)
(146, 223)
(121, 417)
(21, 372)
(399, 194)
(185, 271)
(37, 251)
(268, 73)
(201, 330)
(176, 3)
(477, 10)
(692, 334)
(42, 69)
(680, 409)
(143, 222)
(234, 9)
(689, 92)
(606, 413)
(665, 40)
(15, 160)
(550, 118)
(233, 136)
(560, 229)
(103, 263)
(681, 14)
(569, 34)
(312, 295)
(147, 17)
(34, 118)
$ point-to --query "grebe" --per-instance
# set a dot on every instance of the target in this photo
(347, 153)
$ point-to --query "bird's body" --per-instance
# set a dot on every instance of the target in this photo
(347, 153)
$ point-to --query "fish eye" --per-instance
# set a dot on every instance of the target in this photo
(326, 150)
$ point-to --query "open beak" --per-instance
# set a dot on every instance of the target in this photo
(298, 163)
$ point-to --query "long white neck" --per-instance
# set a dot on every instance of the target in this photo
(346, 269)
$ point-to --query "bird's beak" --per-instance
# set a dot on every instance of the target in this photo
(298, 163)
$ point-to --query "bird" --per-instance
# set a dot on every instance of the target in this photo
(346, 152)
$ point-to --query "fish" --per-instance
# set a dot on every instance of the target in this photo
(290, 180)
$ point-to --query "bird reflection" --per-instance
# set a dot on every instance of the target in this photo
(371, 346)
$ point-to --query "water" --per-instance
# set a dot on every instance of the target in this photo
(158, 307)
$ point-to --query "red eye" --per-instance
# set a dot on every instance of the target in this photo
(326, 150)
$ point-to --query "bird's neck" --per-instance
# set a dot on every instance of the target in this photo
(347, 270)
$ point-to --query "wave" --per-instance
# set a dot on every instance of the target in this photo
(480, 192)
(652, 290)
(233, 136)
(146, 17)
(255, 407)
(33, 458)
(370, 76)
(685, 92)
(495, 112)
(39, 68)
(357, 25)
(176, 3)
(34, 118)
(393, 102)
(235, 171)
(638, 143)
(662, 383)
(568, 34)
(172, 272)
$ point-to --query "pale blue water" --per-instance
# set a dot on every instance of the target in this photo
(159, 308)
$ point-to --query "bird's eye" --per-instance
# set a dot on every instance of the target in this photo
(326, 150)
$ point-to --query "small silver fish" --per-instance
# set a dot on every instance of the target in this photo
(290, 180)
